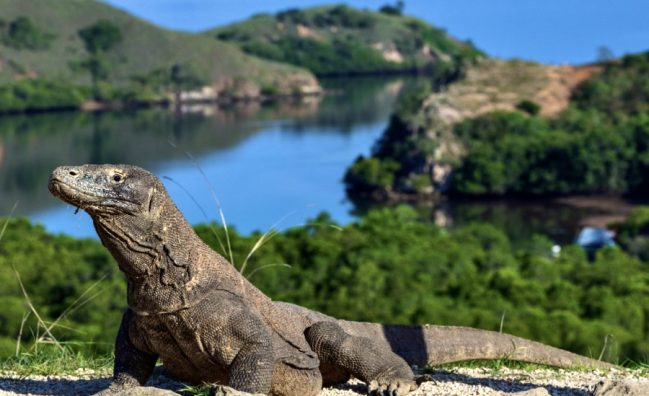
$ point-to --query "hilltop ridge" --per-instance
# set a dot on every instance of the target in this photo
(52, 49)
(342, 40)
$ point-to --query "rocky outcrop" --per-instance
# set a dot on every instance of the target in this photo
(427, 132)
(298, 84)
(500, 85)
(488, 86)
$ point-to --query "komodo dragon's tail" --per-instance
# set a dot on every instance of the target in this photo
(429, 344)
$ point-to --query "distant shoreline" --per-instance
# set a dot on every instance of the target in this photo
(99, 106)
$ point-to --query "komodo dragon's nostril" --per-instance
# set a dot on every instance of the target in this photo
(73, 173)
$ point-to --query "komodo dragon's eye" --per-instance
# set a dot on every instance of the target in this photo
(117, 178)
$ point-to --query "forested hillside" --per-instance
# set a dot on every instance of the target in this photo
(341, 40)
(597, 143)
(60, 53)
(388, 267)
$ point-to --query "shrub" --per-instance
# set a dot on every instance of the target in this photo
(389, 266)
(22, 33)
(529, 107)
(371, 174)
(31, 95)
(393, 9)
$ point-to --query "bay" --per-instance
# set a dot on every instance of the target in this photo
(263, 165)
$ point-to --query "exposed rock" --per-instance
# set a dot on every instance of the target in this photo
(622, 388)
(487, 86)
(500, 85)
(389, 52)
(305, 31)
(206, 93)
(147, 391)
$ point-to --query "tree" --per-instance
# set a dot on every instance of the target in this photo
(99, 39)
(183, 76)
(393, 9)
(22, 33)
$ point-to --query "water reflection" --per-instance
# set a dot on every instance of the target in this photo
(560, 219)
(264, 160)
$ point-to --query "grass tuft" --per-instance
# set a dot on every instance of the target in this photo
(52, 360)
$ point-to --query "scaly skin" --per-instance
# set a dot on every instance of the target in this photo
(190, 308)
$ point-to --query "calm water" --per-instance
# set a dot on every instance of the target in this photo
(276, 164)
(273, 165)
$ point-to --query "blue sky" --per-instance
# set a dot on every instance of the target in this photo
(551, 31)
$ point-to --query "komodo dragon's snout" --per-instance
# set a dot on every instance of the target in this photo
(104, 188)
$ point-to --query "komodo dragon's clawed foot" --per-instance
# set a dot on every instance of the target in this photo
(384, 371)
(394, 387)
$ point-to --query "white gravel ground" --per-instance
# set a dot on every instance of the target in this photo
(448, 382)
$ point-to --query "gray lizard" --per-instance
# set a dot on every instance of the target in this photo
(190, 308)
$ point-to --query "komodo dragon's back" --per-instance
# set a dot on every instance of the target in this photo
(190, 308)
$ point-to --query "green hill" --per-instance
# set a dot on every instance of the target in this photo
(39, 39)
(513, 128)
(334, 40)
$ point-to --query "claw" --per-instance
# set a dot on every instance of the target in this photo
(393, 388)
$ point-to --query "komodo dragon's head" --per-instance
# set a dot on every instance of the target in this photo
(107, 190)
(141, 227)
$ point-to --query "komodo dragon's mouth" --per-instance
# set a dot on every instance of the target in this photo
(70, 193)
(83, 199)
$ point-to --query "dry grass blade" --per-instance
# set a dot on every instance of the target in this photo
(605, 347)
(215, 198)
(268, 235)
(20, 332)
(267, 266)
(11, 213)
(502, 322)
(47, 326)
(35, 312)
(76, 304)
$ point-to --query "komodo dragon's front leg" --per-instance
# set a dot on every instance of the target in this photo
(385, 372)
(132, 367)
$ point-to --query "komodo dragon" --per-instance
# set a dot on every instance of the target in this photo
(191, 308)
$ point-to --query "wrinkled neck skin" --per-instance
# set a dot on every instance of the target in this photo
(159, 253)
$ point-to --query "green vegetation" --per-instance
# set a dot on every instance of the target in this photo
(40, 95)
(69, 282)
(580, 152)
(388, 267)
(51, 360)
(98, 39)
(529, 107)
(597, 145)
(401, 148)
(21, 33)
(620, 89)
(633, 234)
(77, 43)
(340, 40)
(396, 9)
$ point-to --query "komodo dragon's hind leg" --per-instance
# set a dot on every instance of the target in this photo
(343, 354)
